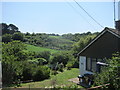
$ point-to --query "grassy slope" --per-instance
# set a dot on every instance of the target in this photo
(62, 39)
(39, 49)
(61, 79)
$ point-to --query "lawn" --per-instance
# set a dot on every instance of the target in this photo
(39, 49)
(60, 79)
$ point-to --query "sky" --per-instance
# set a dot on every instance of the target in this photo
(58, 17)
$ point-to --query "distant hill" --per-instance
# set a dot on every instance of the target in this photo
(39, 49)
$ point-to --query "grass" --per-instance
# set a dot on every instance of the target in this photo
(59, 80)
(39, 49)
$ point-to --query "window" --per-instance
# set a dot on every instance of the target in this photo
(91, 64)
(88, 64)
(99, 60)
(94, 65)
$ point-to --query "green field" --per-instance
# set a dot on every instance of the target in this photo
(60, 79)
(39, 49)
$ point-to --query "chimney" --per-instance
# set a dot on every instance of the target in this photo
(117, 23)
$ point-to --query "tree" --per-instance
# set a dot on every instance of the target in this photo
(110, 74)
(12, 68)
(41, 73)
(6, 38)
(4, 29)
(8, 29)
(44, 54)
(78, 46)
(12, 28)
(18, 36)
(28, 70)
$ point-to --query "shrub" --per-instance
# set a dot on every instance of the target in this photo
(18, 36)
(110, 74)
(27, 71)
(41, 73)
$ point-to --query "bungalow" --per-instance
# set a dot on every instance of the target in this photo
(92, 57)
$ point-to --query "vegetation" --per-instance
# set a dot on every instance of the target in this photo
(16, 66)
(60, 79)
(33, 57)
(39, 49)
(110, 74)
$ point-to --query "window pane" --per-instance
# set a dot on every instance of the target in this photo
(99, 60)
(88, 65)
(94, 65)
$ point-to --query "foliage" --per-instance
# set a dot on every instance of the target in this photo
(11, 61)
(38, 61)
(14, 48)
(73, 63)
(61, 57)
(61, 80)
(8, 29)
(11, 70)
(6, 38)
(28, 70)
(110, 74)
(78, 46)
(16, 66)
(70, 65)
(44, 54)
(41, 73)
(18, 36)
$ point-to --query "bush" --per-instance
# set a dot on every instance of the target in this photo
(72, 64)
(110, 74)
(44, 54)
(41, 73)
(6, 38)
(61, 57)
(27, 71)
(54, 72)
(18, 36)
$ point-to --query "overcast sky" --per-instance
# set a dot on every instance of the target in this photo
(58, 17)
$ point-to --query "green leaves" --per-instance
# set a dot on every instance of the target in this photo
(110, 74)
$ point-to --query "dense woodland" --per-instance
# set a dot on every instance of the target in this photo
(21, 64)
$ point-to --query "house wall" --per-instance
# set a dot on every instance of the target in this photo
(0, 75)
(82, 66)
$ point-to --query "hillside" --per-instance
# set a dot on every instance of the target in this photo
(40, 56)
(49, 41)
(39, 49)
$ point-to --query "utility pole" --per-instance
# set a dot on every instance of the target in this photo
(114, 14)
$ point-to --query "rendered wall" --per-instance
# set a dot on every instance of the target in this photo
(82, 64)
